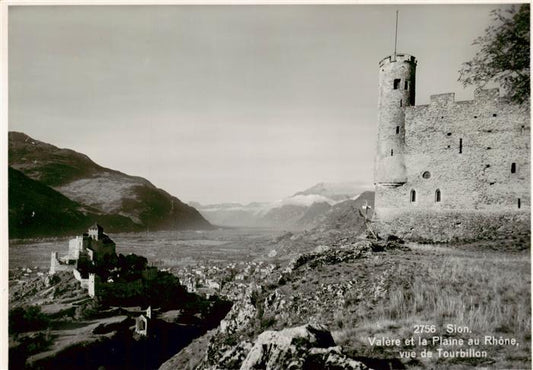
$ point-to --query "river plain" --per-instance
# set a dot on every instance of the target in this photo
(164, 249)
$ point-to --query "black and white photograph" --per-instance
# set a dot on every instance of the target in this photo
(282, 186)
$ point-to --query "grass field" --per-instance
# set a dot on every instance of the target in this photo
(449, 288)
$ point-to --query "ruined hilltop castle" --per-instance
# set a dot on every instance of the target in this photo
(449, 170)
(92, 247)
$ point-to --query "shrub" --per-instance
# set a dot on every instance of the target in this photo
(267, 322)
(27, 319)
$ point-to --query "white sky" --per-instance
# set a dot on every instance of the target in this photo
(225, 103)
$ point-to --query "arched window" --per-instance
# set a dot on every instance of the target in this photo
(413, 196)
(513, 167)
(437, 195)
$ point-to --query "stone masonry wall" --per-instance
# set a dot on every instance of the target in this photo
(390, 164)
(454, 226)
(466, 150)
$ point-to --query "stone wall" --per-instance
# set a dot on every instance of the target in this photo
(88, 283)
(56, 265)
(468, 148)
(74, 247)
(476, 154)
(454, 226)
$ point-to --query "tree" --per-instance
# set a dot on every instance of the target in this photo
(503, 57)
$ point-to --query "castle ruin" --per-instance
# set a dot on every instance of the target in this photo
(93, 247)
(450, 170)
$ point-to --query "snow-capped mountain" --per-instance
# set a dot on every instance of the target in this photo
(298, 211)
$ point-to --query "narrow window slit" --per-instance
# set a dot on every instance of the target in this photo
(396, 83)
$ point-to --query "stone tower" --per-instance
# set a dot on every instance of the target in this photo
(396, 92)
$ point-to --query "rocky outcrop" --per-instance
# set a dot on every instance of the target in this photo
(242, 312)
(325, 255)
(303, 347)
(331, 358)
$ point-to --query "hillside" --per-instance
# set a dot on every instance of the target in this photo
(99, 190)
(343, 215)
(359, 291)
(38, 210)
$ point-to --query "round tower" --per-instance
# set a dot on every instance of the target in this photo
(396, 91)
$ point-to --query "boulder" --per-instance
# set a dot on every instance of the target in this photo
(308, 346)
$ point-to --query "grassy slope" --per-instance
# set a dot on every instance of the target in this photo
(486, 292)
(37, 209)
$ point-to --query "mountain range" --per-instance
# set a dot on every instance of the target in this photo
(54, 191)
(303, 210)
